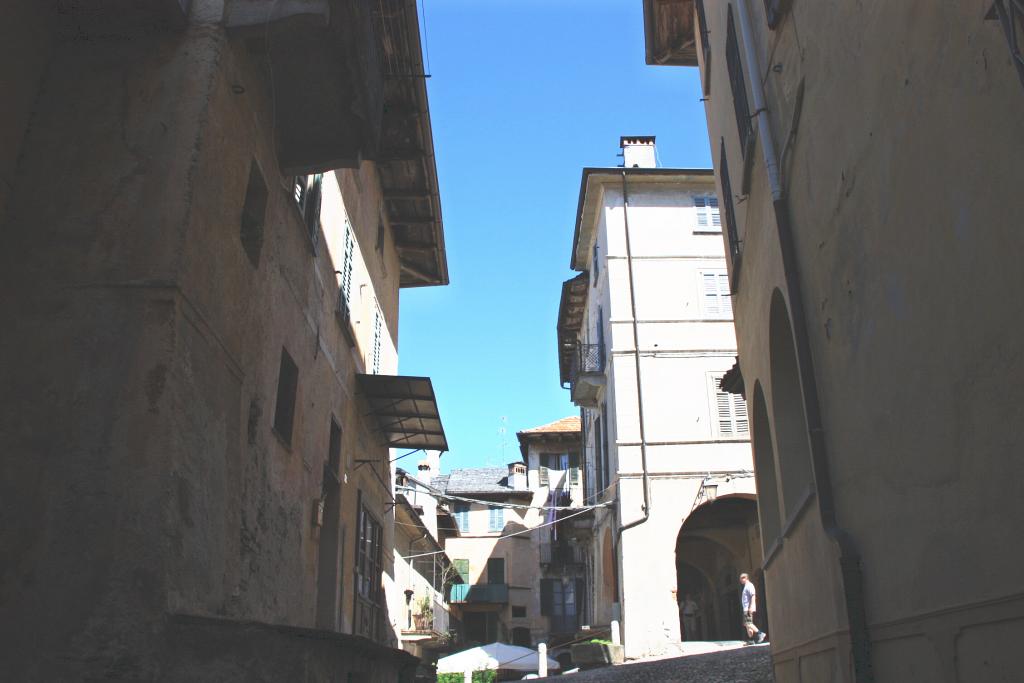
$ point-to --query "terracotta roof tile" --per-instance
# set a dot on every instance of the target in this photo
(566, 424)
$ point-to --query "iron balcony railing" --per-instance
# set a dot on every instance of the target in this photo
(561, 554)
(479, 592)
(588, 358)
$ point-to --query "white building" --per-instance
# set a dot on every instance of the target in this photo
(649, 248)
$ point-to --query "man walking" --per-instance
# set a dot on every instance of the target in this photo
(748, 601)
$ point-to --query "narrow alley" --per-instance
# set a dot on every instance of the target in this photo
(448, 341)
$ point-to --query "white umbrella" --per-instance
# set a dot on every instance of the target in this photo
(493, 656)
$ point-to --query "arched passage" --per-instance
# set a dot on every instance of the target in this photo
(791, 438)
(715, 544)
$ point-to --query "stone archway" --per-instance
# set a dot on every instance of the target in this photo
(718, 541)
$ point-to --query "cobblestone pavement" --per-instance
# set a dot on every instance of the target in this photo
(741, 665)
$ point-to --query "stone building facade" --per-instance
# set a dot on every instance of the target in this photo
(210, 208)
(867, 156)
(645, 336)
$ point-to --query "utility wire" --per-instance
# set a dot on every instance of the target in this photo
(498, 538)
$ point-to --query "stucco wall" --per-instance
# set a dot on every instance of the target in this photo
(683, 346)
(901, 185)
(145, 477)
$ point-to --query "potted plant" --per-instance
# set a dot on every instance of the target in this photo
(424, 615)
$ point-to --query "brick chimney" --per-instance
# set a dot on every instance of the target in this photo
(638, 151)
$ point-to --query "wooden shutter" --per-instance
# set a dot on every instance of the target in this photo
(716, 218)
(497, 518)
(732, 412)
(738, 83)
(496, 570)
(543, 470)
(546, 596)
(574, 468)
(377, 332)
(709, 289)
(702, 216)
(311, 210)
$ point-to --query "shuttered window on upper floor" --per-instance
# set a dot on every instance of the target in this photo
(705, 44)
(308, 194)
(708, 217)
(716, 299)
(731, 412)
(496, 518)
(738, 85)
(378, 332)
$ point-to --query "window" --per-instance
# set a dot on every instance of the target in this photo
(345, 286)
(496, 570)
(253, 214)
(462, 516)
(574, 469)
(378, 325)
(705, 44)
(521, 634)
(558, 600)
(731, 411)
(308, 193)
(1011, 15)
(369, 590)
(519, 612)
(287, 387)
(497, 518)
(715, 299)
(730, 212)
(738, 85)
(542, 471)
(462, 567)
(708, 218)
(599, 455)
(595, 264)
(605, 452)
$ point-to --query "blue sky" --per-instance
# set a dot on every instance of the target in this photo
(523, 95)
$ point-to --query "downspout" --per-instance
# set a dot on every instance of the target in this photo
(636, 358)
(849, 556)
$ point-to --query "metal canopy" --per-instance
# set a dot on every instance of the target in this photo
(406, 410)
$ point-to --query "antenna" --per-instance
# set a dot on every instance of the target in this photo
(503, 435)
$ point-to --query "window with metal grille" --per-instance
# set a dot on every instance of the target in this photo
(287, 388)
(378, 331)
(731, 411)
(496, 518)
(308, 193)
(369, 590)
(738, 85)
(705, 44)
(715, 298)
(1010, 14)
(730, 212)
(708, 217)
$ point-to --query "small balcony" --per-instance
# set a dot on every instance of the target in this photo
(429, 624)
(496, 593)
(586, 375)
(561, 554)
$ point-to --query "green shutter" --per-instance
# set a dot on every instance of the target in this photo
(462, 567)
(546, 596)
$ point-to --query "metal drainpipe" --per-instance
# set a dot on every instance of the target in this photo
(636, 357)
(849, 556)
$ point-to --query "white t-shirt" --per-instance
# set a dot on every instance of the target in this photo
(747, 596)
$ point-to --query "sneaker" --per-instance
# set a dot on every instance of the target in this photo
(760, 637)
